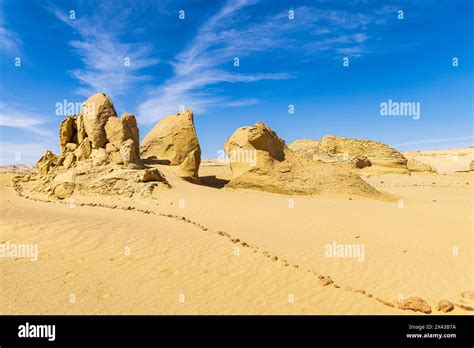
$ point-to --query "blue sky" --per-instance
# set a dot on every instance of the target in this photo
(282, 61)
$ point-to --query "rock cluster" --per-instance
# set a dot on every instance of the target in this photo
(100, 153)
(99, 134)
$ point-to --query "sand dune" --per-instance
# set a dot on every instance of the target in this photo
(177, 253)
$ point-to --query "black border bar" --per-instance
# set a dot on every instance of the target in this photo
(224, 330)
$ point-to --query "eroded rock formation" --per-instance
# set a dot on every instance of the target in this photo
(99, 154)
(260, 160)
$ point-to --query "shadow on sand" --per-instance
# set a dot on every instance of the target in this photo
(212, 181)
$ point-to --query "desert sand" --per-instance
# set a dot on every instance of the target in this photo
(98, 260)
(330, 226)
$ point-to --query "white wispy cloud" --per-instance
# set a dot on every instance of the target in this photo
(199, 65)
(104, 54)
(13, 116)
(205, 61)
(34, 125)
(10, 41)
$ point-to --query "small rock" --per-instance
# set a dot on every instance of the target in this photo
(151, 175)
(325, 280)
(468, 294)
(445, 306)
(361, 162)
(415, 304)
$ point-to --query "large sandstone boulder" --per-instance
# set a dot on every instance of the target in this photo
(174, 141)
(260, 160)
(471, 166)
(118, 130)
(96, 112)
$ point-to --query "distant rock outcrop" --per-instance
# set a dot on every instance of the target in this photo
(260, 160)
(174, 141)
(378, 153)
(334, 149)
